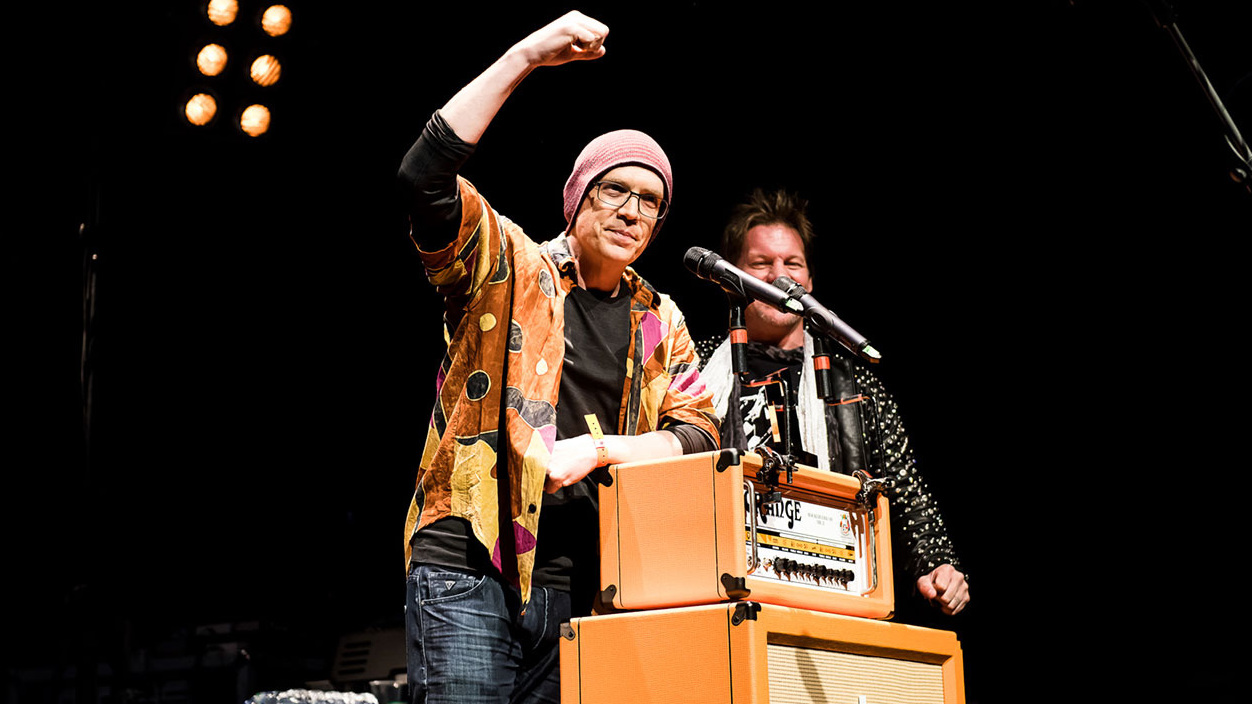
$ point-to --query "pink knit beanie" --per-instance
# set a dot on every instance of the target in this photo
(607, 152)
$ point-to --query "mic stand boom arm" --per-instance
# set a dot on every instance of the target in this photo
(1163, 12)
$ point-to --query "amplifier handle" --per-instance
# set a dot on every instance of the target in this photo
(754, 560)
(867, 497)
(871, 537)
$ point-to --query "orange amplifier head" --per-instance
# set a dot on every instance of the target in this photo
(720, 526)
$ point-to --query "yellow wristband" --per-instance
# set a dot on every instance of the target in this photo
(597, 436)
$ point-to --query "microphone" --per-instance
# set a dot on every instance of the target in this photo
(736, 282)
(789, 298)
(820, 317)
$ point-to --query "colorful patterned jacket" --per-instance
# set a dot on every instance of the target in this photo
(504, 291)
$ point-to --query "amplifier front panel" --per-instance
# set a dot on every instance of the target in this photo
(806, 675)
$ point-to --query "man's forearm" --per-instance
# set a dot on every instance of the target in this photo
(474, 107)
(576, 457)
(637, 448)
(572, 37)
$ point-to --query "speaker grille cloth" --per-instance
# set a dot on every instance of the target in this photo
(810, 676)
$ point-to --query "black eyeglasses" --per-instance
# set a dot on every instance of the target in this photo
(616, 195)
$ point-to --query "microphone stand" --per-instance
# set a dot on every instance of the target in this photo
(853, 413)
(821, 370)
(83, 595)
(1241, 173)
(738, 332)
(772, 461)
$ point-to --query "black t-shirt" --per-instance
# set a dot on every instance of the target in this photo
(593, 377)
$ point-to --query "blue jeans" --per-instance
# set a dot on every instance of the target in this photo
(469, 642)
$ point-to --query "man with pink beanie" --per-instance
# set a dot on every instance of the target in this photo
(560, 360)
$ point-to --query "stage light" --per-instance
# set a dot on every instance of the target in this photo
(222, 12)
(200, 109)
(265, 70)
(276, 20)
(255, 120)
(211, 59)
(224, 57)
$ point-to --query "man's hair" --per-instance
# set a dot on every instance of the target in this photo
(774, 208)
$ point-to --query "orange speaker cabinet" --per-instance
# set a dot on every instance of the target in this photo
(755, 653)
(678, 532)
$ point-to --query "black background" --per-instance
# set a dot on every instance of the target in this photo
(1025, 206)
